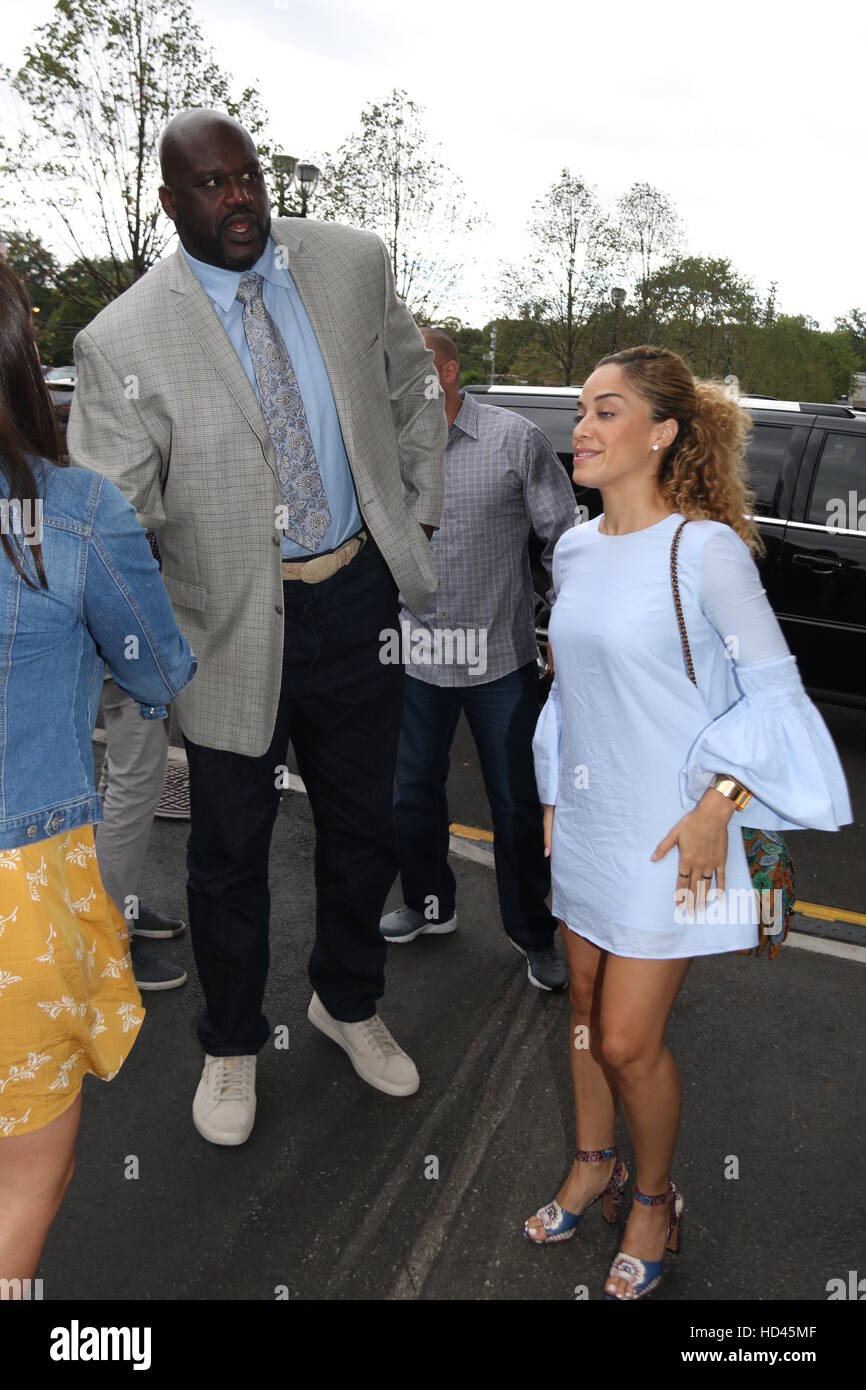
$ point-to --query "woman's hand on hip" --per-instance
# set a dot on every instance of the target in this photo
(702, 839)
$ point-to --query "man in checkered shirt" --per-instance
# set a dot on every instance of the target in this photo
(474, 650)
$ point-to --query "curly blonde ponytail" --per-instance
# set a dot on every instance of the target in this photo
(703, 472)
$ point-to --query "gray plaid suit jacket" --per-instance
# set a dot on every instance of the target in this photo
(163, 406)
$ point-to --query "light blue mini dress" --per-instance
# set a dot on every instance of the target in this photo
(626, 744)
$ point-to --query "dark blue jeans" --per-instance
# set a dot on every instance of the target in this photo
(340, 706)
(502, 716)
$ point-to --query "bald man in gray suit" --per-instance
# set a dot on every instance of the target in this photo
(267, 404)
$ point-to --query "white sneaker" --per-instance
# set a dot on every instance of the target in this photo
(225, 1102)
(370, 1048)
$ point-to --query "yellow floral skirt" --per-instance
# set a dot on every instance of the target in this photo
(69, 1003)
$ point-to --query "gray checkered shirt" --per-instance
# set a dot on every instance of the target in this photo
(502, 479)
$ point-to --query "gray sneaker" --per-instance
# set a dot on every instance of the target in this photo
(405, 924)
(546, 969)
(152, 972)
(153, 924)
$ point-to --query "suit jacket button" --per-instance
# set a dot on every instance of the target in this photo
(278, 608)
(275, 539)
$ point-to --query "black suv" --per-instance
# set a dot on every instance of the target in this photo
(808, 467)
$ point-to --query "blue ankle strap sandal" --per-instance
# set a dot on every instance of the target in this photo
(644, 1275)
(560, 1224)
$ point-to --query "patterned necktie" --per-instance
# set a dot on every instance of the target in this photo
(283, 409)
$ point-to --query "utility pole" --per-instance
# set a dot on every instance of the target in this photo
(617, 299)
(491, 355)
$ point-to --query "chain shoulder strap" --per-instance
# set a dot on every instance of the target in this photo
(675, 586)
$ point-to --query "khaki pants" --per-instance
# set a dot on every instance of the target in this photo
(132, 781)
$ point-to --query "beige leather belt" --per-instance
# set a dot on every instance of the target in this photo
(323, 566)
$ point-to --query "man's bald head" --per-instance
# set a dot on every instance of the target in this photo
(214, 189)
(187, 131)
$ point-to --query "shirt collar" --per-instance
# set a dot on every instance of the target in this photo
(466, 418)
(222, 285)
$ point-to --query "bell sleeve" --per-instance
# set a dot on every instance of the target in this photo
(546, 744)
(772, 739)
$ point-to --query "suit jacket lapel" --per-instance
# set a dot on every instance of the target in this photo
(198, 314)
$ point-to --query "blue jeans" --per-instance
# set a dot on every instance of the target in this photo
(502, 715)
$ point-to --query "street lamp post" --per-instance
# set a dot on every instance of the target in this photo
(284, 168)
(306, 177)
(617, 299)
(303, 176)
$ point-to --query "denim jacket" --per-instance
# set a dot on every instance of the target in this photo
(105, 603)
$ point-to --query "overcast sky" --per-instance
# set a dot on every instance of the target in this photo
(750, 116)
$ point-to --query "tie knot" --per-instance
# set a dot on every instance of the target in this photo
(250, 287)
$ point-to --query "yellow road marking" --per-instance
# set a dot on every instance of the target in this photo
(830, 914)
(824, 914)
(471, 832)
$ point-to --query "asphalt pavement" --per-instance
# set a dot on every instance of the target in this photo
(344, 1193)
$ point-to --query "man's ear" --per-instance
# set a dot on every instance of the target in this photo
(166, 197)
(452, 371)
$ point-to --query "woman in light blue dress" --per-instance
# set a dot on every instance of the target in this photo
(645, 774)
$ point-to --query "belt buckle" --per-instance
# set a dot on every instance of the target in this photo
(307, 575)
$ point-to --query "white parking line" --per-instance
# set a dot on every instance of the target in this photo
(823, 946)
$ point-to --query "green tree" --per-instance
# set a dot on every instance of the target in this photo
(840, 361)
(787, 356)
(566, 273)
(99, 82)
(853, 326)
(389, 177)
(702, 307)
(35, 265)
(80, 296)
(522, 354)
(649, 233)
(67, 297)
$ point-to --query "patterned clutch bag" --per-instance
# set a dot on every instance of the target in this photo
(767, 853)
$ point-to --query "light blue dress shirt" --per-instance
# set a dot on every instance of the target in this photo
(286, 308)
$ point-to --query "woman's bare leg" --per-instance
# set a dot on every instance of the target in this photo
(592, 1080)
(636, 1003)
(35, 1171)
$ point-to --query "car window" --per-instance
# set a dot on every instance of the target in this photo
(557, 423)
(767, 448)
(841, 471)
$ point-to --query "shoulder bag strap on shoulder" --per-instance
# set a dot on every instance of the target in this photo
(675, 586)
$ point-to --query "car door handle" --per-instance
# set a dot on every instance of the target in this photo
(821, 561)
